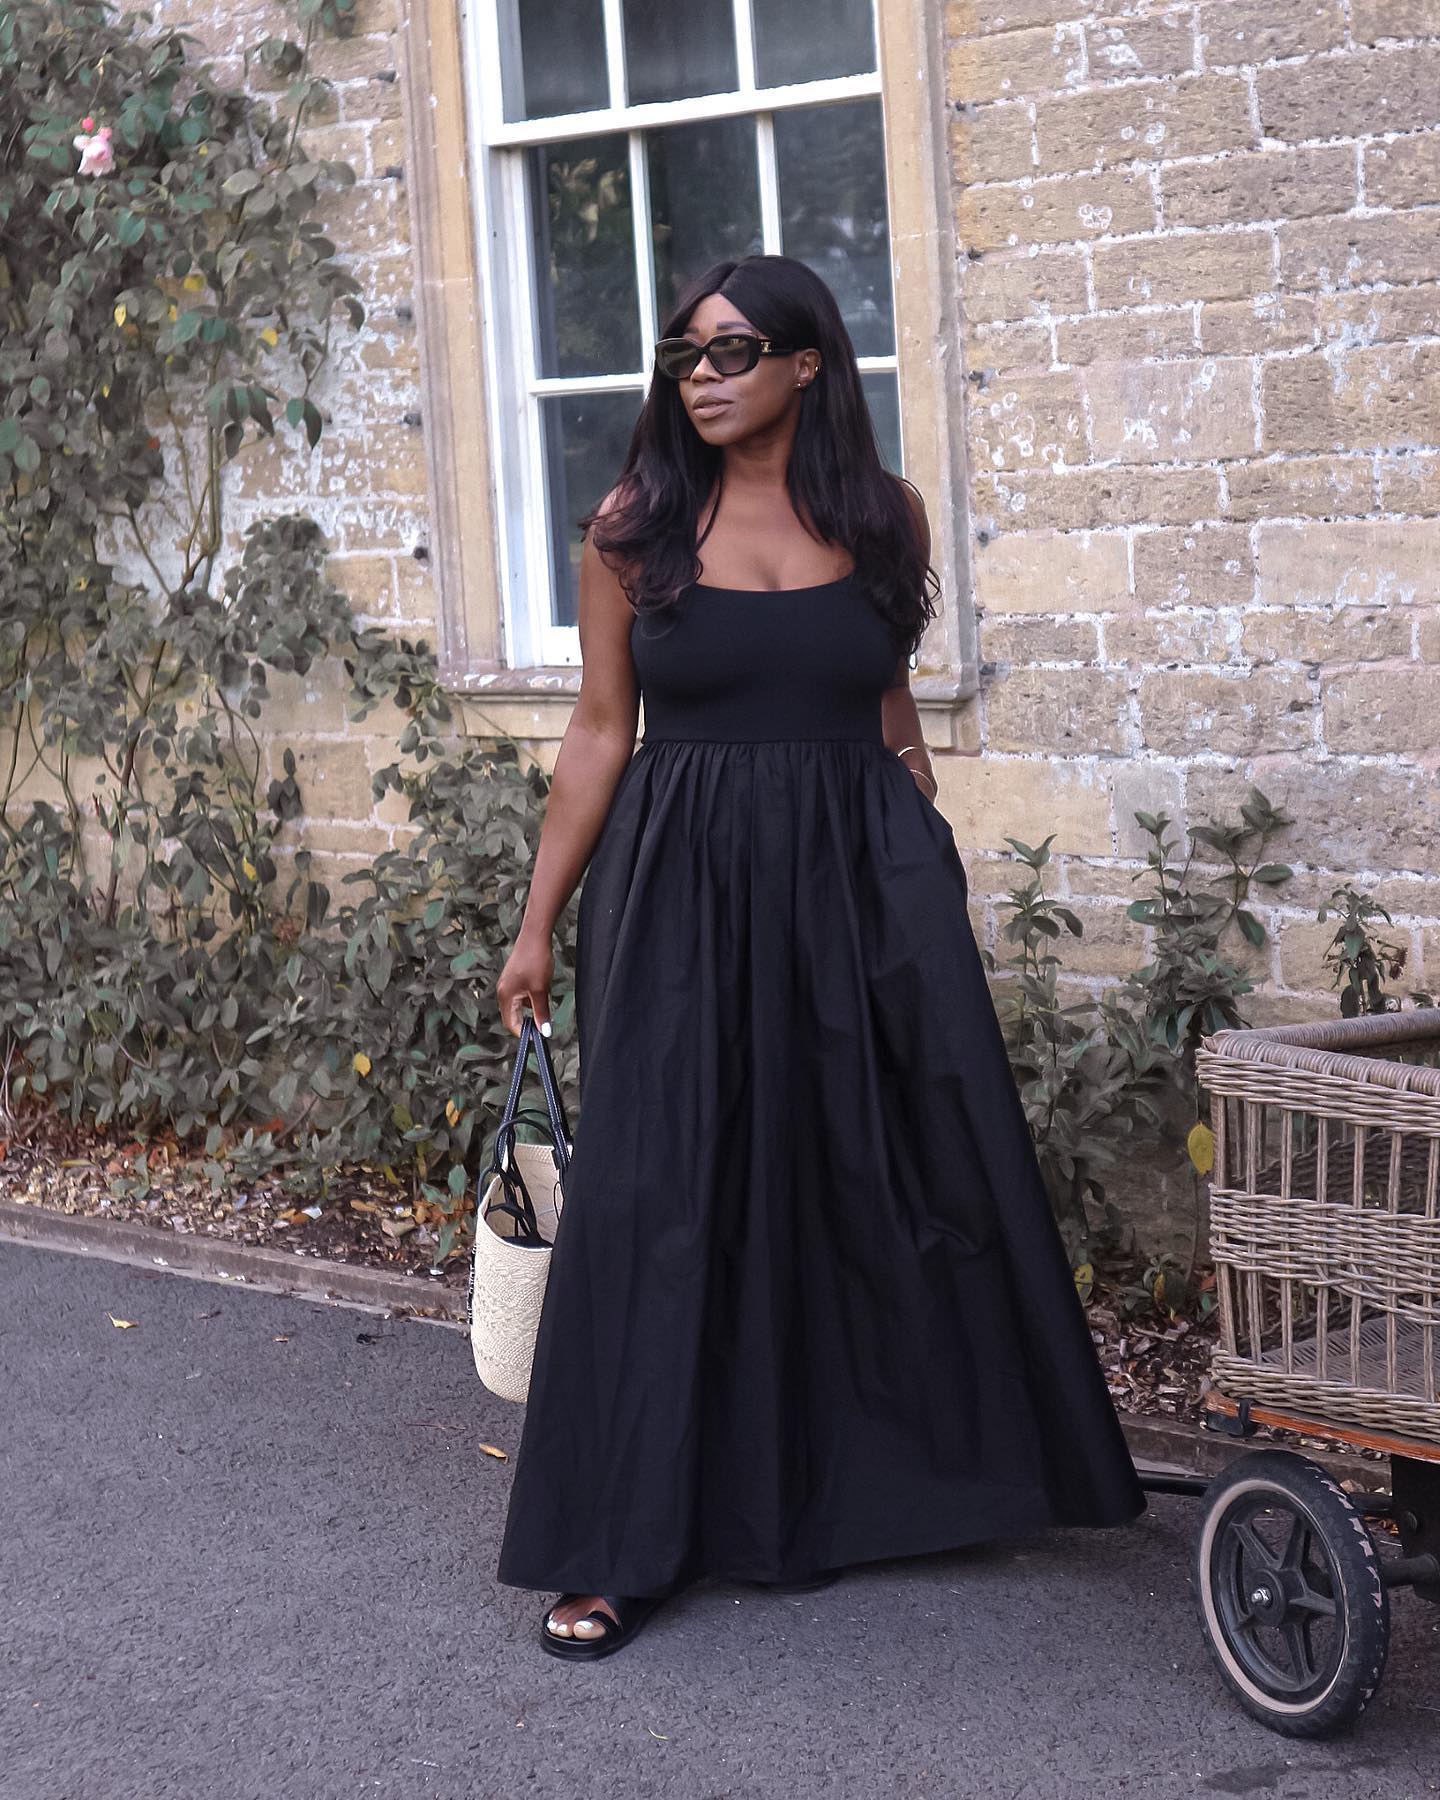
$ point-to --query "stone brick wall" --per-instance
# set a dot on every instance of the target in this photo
(365, 482)
(1199, 279)
(1201, 287)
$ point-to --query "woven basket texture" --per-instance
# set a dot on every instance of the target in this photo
(1325, 1217)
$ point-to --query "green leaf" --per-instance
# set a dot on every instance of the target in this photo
(1252, 928)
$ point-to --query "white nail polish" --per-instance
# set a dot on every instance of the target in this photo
(545, 1029)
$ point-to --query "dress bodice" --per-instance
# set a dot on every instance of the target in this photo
(742, 664)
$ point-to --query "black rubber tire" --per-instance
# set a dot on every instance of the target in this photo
(1241, 1595)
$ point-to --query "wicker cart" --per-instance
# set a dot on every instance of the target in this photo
(1325, 1231)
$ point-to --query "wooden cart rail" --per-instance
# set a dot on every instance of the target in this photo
(1389, 1443)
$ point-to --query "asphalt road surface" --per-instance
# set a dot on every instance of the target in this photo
(248, 1551)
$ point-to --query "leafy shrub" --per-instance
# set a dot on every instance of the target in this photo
(166, 958)
(1088, 1074)
(1360, 961)
(1190, 988)
(1103, 1079)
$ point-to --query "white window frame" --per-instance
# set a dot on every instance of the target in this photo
(499, 186)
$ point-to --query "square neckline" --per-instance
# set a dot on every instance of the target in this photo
(813, 587)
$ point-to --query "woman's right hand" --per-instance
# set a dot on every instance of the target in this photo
(525, 981)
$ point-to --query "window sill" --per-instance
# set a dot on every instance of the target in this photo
(563, 679)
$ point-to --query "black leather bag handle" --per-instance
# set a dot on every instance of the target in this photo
(517, 1203)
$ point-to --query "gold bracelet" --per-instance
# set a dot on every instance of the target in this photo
(924, 773)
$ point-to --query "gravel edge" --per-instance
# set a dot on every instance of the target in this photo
(1171, 1444)
(238, 1265)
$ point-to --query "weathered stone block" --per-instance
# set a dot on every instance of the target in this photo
(1403, 172)
(1183, 412)
(1266, 184)
(1060, 209)
(1009, 349)
(1128, 336)
(1246, 32)
(1019, 640)
(1152, 121)
(1186, 712)
(1360, 95)
(1172, 268)
(1012, 63)
(1070, 711)
(1350, 815)
(1075, 499)
(1141, 784)
(987, 799)
(1351, 401)
(1208, 566)
(1357, 252)
(1165, 639)
(1053, 572)
(1123, 48)
(992, 143)
(1410, 481)
(334, 780)
(1394, 711)
(1362, 561)
(1312, 486)
(1295, 634)
(1024, 285)
(1257, 326)
(1021, 421)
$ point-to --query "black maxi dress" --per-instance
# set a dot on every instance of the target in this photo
(807, 1305)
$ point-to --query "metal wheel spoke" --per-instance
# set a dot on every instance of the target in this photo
(1297, 1543)
(1312, 1603)
(1259, 1551)
(1297, 1643)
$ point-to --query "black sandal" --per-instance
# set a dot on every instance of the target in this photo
(631, 1611)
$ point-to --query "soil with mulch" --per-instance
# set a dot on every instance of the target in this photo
(1155, 1366)
(362, 1217)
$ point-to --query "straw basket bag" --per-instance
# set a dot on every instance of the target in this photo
(516, 1218)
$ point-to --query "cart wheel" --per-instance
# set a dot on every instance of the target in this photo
(1290, 1591)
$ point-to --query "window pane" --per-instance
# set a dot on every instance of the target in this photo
(674, 52)
(556, 57)
(822, 39)
(833, 213)
(586, 439)
(588, 313)
(882, 395)
(704, 200)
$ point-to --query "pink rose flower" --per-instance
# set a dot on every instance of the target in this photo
(96, 156)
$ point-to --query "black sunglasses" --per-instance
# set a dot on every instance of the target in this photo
(732, 353)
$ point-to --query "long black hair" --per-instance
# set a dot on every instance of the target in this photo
(836, 474)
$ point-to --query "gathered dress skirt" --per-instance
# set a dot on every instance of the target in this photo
(807, 1304)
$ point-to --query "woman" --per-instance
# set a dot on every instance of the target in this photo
(807, 1305)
